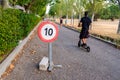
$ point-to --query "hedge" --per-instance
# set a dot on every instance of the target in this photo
(14, 26)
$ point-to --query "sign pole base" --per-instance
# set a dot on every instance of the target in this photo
(51, 65)
(54, 66)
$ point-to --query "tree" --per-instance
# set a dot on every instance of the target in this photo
(53, 10)
(5, 4)
(114, 11)
(64, 7)
(79, 6)
(69, 9)
(33, 6)
(111, 12)
(94, 6)
(56, 8)
(117, 2)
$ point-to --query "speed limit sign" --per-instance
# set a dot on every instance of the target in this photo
(47, 31)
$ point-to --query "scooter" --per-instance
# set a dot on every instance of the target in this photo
(86, 47)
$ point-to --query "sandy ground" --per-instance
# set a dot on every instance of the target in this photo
(101, 27)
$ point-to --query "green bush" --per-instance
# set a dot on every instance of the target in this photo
(9, 30)
(27, 22)
(14, 25)
(117, 41)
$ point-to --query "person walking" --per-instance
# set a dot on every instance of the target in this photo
(85, 22)
(61, 21)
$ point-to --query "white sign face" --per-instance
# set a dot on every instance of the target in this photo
(48, 32)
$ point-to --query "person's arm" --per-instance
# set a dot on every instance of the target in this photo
(90, 26)
(80, 23)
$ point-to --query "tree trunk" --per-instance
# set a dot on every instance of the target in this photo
(5, 4)
(79, 18)
(71, 19)
(118, 31)
(93, 17)
(92, 20)
(66, 21)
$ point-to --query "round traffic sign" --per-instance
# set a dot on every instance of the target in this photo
(47, 31)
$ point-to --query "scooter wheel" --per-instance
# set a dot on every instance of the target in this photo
(79, 43)
(88, 49)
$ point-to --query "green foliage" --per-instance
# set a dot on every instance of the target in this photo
(117, 41)
(27, 21)
(113, 40)
(63, 7)
(13, 2)
(114, 10)
(9, 30)
(39, 7)
(14, 25)
(110, 12)
(53, 10)
(22, 2)
(34, 6)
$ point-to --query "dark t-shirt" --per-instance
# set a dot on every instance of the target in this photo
(86, 21)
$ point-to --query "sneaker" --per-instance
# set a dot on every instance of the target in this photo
(85, 46)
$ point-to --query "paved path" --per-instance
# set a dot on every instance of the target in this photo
(102, 63)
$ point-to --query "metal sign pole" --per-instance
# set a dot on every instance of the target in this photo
(51, 65)
(50, 56)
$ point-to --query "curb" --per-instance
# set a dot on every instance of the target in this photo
(6, 63)
(109, 42)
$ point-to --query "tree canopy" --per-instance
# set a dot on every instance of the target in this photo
(95, 7)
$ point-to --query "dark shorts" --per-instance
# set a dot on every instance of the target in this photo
(84, 34)
(61, 21)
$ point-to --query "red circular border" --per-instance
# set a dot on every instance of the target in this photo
(42, 24)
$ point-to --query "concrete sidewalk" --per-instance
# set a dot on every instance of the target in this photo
(8, 61)
(102, 63)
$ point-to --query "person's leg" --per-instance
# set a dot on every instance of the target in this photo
(84, 40)
(80, 40)
(61, 25)
(79, 43)
(85, 37)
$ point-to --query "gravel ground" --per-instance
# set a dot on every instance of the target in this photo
(101, 63)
